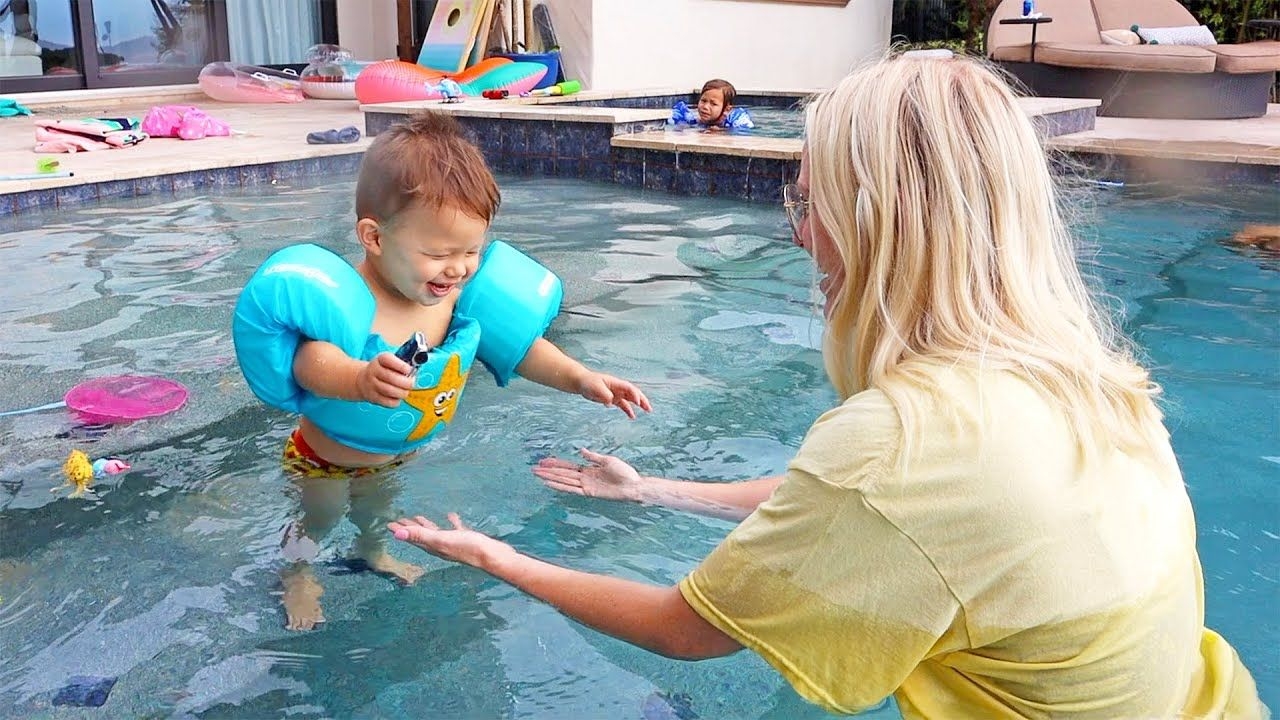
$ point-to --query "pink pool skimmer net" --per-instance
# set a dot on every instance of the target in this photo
(119, 398)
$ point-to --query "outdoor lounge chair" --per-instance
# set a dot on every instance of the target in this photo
(1070, 59)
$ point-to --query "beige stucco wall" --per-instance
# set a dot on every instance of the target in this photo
(627, 44)
(368, 28)
(620, 44)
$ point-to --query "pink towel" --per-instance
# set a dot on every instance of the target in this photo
(52, 141)
(86, 134)
(182, 121)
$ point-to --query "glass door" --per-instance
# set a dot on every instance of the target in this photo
(150, 42)
(39, 45)
(70, 44)
(277, 33)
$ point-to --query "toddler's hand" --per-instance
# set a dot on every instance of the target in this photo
(385, 380)
(609, 390)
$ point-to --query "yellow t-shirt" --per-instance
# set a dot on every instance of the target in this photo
(990, 577)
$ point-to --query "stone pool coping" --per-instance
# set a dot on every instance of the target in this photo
(1057, 116)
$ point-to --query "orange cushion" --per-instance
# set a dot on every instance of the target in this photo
(1146, 58)
(1253, 57)
(1143, 13)
(1014, 53)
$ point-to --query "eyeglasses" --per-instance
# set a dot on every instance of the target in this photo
(796, 203)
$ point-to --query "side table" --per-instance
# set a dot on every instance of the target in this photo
(1034, 21)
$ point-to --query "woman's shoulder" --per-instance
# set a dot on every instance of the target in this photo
(871, 411)
(875, 415)
(926, 411)
(852, 442)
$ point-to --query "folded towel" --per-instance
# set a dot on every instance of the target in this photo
(10, 107)
(87, 134)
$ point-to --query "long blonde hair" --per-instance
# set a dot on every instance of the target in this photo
(939, 199)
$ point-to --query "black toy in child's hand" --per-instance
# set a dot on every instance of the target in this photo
(414, 351)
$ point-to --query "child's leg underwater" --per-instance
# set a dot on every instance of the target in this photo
(324, 501)
(372, 508)
(323, 497)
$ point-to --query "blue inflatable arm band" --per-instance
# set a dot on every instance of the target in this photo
(514, 298)
(682, 114)
(739, 119)
(302, 292)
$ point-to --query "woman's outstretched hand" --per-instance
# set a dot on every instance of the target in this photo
(460, 544)
(603, 476)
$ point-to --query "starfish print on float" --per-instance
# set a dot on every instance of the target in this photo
(437, 404)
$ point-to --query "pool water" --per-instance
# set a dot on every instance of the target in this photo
(777, 122)
(769, 122)
(166, 577)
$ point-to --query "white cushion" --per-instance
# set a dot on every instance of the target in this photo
(1120, 37)
(14, 45)
(1187, 35)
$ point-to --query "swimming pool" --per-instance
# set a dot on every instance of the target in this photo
(777, 122)
(165, 579)
(769, 122)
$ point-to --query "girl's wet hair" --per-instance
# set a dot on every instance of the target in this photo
(725, 87)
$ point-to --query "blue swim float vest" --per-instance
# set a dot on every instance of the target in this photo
(306, 292)
(738, 118)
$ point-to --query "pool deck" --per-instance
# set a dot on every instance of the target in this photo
(273, 137)
(1251, 141)
(262, 134)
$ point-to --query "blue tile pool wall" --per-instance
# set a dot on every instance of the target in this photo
(705, 174)
(1066, 122)
(537, 147)
(376, 122)
(244, 175)
(1133, 169)
(549, 148)
(583, 150)
(648, 102)
(660, 102)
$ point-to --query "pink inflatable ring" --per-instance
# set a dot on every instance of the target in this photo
(230, 82)
(396, 81)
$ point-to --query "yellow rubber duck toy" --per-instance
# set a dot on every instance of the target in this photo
(80, 471)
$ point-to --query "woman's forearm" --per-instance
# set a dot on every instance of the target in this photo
(655, 618)
(732, 500)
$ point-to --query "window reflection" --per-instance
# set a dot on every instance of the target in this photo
(135, 35)
(97, 43)
(37, 37)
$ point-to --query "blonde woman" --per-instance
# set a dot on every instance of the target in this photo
(992, 523)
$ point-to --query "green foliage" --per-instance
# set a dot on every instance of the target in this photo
(1226, 18)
